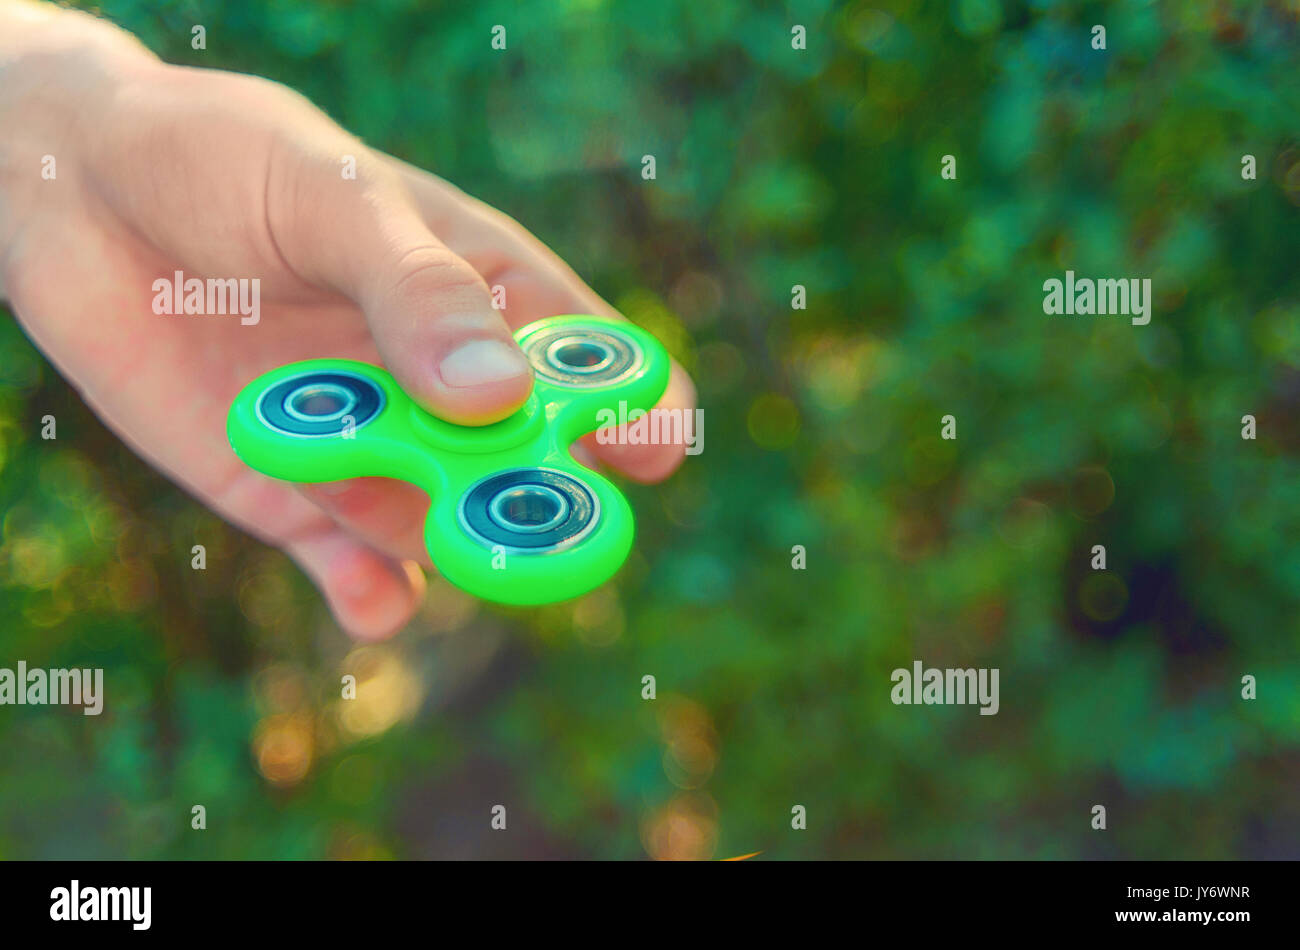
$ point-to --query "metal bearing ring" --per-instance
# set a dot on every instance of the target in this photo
(314, 405)
(529, 510)
(584, 356)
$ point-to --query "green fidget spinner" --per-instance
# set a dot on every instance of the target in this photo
(513, 518)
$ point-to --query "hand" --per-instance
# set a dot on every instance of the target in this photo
(161, 169)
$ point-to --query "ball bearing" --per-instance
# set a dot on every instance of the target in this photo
(583, 356)
(529, 510)
(315, 405)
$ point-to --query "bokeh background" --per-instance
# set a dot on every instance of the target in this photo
(775, 167)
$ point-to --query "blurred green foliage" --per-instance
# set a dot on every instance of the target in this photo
(776, 167)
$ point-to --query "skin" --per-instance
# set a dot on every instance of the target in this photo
(163, 168)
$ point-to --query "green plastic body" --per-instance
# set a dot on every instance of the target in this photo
(405, 442)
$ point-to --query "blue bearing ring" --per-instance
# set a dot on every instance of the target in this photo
(529, 510)
(315, 405)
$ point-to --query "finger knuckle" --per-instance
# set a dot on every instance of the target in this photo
(432, 268)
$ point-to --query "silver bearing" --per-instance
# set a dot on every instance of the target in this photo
(584, 356)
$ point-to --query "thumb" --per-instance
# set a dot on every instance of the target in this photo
(429, 312)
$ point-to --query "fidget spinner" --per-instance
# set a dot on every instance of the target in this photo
(513, 517)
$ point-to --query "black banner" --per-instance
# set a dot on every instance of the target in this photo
(1149, 900)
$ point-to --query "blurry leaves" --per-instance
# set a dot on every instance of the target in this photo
(775, 167)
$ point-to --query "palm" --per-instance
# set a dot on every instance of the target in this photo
(165, 383)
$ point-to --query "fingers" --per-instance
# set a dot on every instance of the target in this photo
(388, 515)
(418, 256)
(649, 463)
(296, 198)
(537, 284)
(429, 310)
(371, 596)
(536, 281)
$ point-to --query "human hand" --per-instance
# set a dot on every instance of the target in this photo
(162, 169)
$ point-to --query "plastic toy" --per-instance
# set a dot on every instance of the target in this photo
(513, 517)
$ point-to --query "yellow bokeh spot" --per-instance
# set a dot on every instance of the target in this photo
(650, 313)
(690, 741)
(283, 747)
(598, 618)
(685, 829)
(36, 560)
(387, 691)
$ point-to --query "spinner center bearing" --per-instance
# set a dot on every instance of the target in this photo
(314, 405)
(578, 357)
(529, 510)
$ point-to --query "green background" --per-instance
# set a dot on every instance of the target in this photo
(775, 167)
